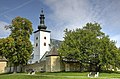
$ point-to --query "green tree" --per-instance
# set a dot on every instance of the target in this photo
(6, 47)
(109, 54)
(89, 45)
(21, 29)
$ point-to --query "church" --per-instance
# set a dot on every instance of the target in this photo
(45, 57)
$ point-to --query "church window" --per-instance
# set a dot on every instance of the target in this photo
(44, 44)
(36, 38)
(36, 44)
(44, 37)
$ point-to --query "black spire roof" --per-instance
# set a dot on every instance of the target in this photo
(42, 23)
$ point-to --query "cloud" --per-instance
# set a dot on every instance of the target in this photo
(76, 13)
(3, 32)
(69, 14)
(68, 11)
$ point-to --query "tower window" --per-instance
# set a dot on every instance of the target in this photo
(36, 44)
(44, 44)
(36, 38)
(44, 37)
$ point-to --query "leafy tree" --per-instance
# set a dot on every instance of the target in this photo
(21, 29)
(6, 47)
(89, 45)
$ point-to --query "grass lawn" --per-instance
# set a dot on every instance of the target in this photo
(62, 75)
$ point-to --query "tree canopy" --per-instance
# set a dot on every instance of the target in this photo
(17, 48)
(90, 45)
(7, 47)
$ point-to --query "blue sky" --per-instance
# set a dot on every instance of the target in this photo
(61, 14)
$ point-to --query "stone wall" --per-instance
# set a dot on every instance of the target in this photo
(3, 65)
(72, 66)
(11, 69)
(53, 64)
(37, 67)
(48, 64)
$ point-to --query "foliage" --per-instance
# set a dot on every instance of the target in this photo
(90, 45)
(21, 29)
(7, 47)
(17, 48)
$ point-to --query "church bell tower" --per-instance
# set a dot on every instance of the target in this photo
(41, 39)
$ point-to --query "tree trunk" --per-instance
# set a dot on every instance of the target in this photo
(81, 67)
(99, 68)
(21, 66)
(90, 67)
(10, 68)
(15, 69)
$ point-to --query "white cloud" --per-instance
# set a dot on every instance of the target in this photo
(76, 13)
(69, 14)
(3, 32)
(69, 11)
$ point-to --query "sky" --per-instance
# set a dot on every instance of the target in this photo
(61, 14)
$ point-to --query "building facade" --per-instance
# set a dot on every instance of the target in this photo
(3, 64)
(41, 40)
(45, 56)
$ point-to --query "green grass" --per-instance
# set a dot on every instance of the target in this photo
(61, 75)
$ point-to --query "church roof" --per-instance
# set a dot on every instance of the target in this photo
(53, 52)
(3, 58)
(42, 23)
(42, 26)
(41, 30)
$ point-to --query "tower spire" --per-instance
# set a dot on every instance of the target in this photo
(42, 22)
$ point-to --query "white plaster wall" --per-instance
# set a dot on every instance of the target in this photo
(43, 48)
(40, 50)
(36, 49)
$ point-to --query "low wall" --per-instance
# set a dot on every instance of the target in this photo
(11, 69)
(37, 67)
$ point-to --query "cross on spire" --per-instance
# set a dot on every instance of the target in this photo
(42, 11)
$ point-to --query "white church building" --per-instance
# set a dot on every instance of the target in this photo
(45, 56)
(41, 40)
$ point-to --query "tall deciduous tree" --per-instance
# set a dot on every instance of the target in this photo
(21, 29)
(89, 45)
(7, 48)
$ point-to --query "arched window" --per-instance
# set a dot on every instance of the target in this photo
(36, 44)
(44, 44)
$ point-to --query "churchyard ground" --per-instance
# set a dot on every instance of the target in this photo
(62, 75)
